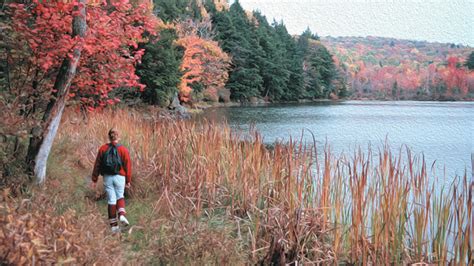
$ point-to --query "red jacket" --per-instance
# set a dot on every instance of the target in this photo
(125, 169)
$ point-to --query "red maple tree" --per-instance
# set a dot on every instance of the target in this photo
(109, 49)
(63, 49)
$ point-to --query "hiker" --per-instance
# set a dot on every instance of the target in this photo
(113, 163)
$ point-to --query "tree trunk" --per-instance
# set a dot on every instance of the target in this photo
(43, 135)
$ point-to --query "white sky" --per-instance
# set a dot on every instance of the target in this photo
(447, 21)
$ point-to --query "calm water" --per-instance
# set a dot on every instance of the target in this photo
(442, 131)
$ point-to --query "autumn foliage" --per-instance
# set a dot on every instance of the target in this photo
(386, 68)
(204, 62)
(42, 33)
(455, 77)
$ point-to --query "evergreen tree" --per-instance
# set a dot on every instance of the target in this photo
(342, 91)
(226, 32)
(322, 71)
(170, 10)
(234, 32)
(395, 90)
(272, 64)
(293, 63)
(195, 10)
(210, 6)
(242, 83)
(310, 35)
(159, 69)
(318, 64)
(304, 39)
(470, 61)
(267, 61)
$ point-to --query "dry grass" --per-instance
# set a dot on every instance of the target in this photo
(202, 194)
(287, 206)
(32, 233)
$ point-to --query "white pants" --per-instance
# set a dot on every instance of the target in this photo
(115, 187)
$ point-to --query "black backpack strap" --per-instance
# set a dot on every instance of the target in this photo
(116, 146)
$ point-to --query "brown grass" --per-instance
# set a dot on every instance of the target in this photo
(32, 233)
(204, 194)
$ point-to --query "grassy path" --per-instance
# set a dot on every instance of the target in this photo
(153, 237)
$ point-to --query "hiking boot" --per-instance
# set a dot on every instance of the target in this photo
(115, 229)
(123, 220)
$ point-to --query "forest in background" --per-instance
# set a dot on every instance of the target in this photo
(253, 60)
(258, 61)
(387, 68)
(210, 51)
(219, 53)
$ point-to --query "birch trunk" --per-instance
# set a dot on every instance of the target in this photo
(43, 136)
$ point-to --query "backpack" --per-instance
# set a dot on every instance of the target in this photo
(111, 162)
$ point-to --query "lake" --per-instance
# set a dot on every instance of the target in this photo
(441, 131)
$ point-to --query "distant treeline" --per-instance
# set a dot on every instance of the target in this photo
(387, 68)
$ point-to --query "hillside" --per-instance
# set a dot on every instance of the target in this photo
(387, 68)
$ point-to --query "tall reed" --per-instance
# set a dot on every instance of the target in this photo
(290, 202)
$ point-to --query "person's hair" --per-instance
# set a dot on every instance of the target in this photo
(113, 134)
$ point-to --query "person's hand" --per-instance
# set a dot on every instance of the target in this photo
(93, 185)
(128, 185)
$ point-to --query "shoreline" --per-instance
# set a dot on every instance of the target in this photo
(202, 106)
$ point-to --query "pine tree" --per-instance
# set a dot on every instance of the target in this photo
(234, 32)
(195, 10)
(322, 71)
(293, 63)
(170, 10)
(226, 32)
(210, 6)
(271, 64)
(319, 68)
(159, 69)
(470, 61)
(268, 62)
